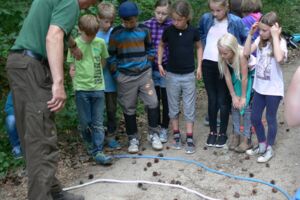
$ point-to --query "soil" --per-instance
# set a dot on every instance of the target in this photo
(75, 167)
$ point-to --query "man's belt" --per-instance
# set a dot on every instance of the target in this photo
(33, 55)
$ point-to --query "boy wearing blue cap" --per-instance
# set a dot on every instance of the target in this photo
(131, 59)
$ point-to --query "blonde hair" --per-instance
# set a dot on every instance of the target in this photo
(250, 6)
(106, 10)
(88, 24)
(268, 19)
(230, 42)
(223, 3)
(183, 9)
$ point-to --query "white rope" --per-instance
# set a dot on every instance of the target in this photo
(140, 181)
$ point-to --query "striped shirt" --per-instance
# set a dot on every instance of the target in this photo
(130, 50)
(157, 30)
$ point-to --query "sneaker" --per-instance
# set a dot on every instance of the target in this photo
(102, 159)
(17, 153)
(211, 139)
(221, 140)
(163, 135)
(155, 141)
(133, 146)
(113, 144)
(266, 156)
(256, 150)
(190, 146)
(63, 195)
(177, 141)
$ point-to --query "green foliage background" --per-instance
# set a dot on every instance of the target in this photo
(12, 14)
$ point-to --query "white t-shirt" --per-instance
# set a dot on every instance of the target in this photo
(268, 79)
(214, 34)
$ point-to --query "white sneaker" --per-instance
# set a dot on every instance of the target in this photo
(266, 156)
(256, 151)
(155, 141)
(163, 135)
(133, 146)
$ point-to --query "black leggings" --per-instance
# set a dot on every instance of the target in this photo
(218, 96)
(163, 98)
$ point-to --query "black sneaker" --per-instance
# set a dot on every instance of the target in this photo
(211, 139)
(221, 140)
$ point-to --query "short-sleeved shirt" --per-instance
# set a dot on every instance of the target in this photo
(181, 48)
(42, 14)
(268, 79)
(88, 70)
(110, 83)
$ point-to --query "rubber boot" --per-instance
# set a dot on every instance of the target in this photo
(243, 146)
(64, 195)
(234, 141)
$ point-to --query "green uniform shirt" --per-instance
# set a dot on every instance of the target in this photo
(88, 70)
(42, 14)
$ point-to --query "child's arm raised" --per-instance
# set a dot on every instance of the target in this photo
(160, 52)
(244, 73)
(278, 52)
(199, 48)
(292, 99)
(249, 48)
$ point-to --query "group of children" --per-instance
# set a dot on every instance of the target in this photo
(155, 61)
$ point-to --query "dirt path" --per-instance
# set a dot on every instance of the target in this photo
(283, 169)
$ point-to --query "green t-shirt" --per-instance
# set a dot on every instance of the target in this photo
(42, 14)
(88, 70)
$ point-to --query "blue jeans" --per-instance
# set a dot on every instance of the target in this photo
(12, 130)
(236, 120)
(271, 103)
(90, 108)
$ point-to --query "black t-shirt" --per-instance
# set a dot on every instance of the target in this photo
(181, 48)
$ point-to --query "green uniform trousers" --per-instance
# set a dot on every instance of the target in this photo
(31, 85)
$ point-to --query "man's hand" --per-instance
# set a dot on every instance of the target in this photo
(72, 71)
(58, 98)
(76, 53)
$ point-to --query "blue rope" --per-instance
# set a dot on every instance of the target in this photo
(285, 193)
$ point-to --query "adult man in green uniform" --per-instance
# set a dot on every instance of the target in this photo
(35, 73)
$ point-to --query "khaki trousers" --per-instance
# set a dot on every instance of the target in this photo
(31, 84)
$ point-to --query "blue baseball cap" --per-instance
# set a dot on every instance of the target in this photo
(128, 9)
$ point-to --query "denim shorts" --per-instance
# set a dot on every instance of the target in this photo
(181, 86)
